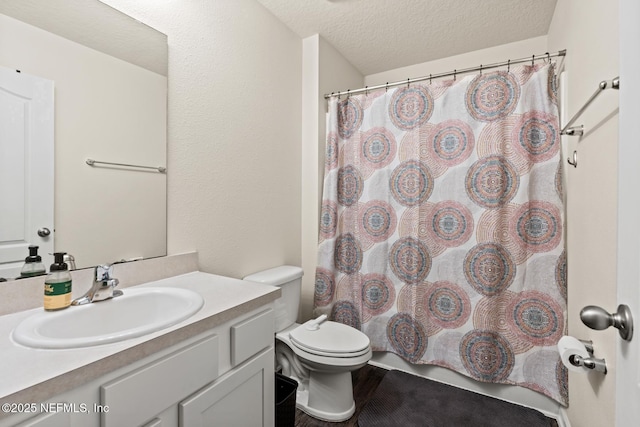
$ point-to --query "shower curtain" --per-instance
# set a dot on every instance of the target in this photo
(441, 229)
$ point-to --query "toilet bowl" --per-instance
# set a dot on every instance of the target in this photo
(319, 354)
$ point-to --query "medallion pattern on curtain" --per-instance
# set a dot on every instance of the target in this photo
(441, 230)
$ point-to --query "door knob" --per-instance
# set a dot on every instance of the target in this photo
(598, 318)
(44, 232)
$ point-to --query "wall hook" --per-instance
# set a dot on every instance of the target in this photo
(573, 163)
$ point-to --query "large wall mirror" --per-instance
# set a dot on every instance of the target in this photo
(109, 78)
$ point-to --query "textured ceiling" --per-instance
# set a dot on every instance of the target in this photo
(380, 35)
(95, 25)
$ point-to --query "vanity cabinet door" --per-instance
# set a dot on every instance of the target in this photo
(59, 419)
(137, 397)
(243, 397)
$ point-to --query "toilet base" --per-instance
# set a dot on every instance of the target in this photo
(331, 396)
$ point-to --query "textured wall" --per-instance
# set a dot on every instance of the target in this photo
(589, 32)
(325, 70)
(234, 132)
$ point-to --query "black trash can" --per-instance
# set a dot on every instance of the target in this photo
(285, 401)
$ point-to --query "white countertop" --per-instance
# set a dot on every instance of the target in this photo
(33, 375)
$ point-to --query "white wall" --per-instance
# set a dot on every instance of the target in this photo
(325, 70)
(105, 109)
(520, 49)
(589, 32)
(234, 132)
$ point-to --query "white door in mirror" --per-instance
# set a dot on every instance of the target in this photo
(26, 168)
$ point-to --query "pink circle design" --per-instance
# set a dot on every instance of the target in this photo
(492, 182)
(452, 142)
(324, 288)
(536, 136)
(378, 294)
(347, 254)
(536, 317)
(451, 224)
(489, 268)
(449, 305)
(350, 114)
(411, 107)
(410, 260)
(328, 219)
(346, 313)
(407, 337)
(331, 152)
(411, 183)
(492, 96)
(537, 226)
(378, 148)
(377, 221)
(350, 185)
(486, 355)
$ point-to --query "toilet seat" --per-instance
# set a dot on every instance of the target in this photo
(331, 339)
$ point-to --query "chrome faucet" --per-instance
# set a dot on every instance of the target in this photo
(102, 288)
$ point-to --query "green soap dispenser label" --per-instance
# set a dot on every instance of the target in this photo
(57, 295)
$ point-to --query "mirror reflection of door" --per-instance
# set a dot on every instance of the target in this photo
(26, 169)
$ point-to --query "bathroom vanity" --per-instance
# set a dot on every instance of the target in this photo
(214, 368)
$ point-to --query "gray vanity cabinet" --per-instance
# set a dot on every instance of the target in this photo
(221, 377)
(236, 399)
(138, 396)
(242, 396)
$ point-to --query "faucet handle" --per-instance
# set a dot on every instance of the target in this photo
(104, 272)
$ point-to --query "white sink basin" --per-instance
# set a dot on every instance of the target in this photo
(138, 312)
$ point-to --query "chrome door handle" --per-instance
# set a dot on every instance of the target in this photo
(597, 318)
(44, 232)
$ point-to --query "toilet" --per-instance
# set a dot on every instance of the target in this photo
(319, 354)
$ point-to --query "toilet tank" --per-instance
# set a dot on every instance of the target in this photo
(289, 279)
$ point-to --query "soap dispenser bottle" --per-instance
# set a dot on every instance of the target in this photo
(33, 265)
(57, 285)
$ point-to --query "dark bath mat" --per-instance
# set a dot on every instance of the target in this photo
(406, 400)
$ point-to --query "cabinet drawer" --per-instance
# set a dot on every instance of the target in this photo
(140, 395)
(251, 335)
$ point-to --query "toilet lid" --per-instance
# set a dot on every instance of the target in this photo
(330, 339)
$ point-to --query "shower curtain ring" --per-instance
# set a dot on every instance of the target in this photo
(386, 87)
(548, 58)
(407, 83)
(454, 75)
(509, 66)
(366, 91)
(430, 79)
(533, 57)
(348, 94)
(480, 69)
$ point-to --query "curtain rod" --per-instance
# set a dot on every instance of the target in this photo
(450, 73)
